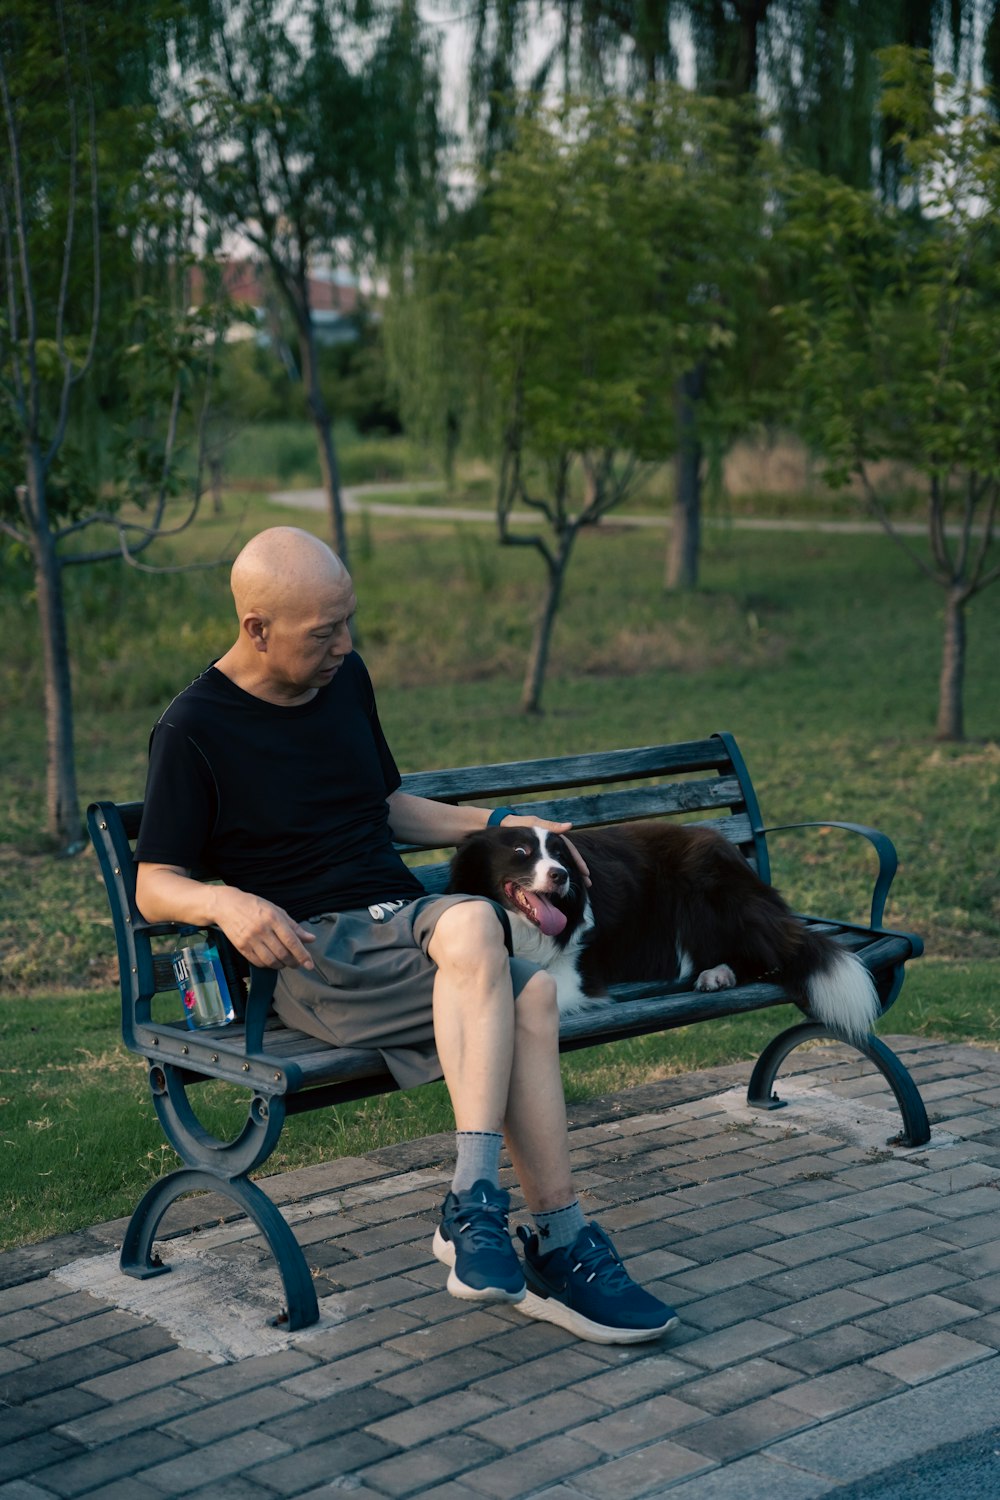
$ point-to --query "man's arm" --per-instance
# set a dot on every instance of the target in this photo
(264, 933)
(419, 820)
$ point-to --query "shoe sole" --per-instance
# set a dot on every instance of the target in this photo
(550, 1310)
(444, 1251)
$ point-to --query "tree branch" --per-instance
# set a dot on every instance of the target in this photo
(881, 515)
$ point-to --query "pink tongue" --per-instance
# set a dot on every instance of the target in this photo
(550, 919)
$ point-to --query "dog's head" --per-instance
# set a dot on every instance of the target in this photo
(529, 871)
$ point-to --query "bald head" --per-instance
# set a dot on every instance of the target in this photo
(282, 570)
(294, 599)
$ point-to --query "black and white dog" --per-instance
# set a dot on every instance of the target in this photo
(665, 902)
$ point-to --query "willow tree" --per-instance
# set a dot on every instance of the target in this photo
(93, 321)
(897, 345)
(313, 135)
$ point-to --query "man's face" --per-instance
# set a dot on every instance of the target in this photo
(306, 643)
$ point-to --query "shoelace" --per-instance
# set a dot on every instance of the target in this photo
(488, 1229)
(600, 1260)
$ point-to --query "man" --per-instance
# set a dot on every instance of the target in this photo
(271, 771)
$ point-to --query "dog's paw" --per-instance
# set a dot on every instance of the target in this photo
(719, 978)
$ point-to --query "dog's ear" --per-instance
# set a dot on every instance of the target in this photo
(471, 867)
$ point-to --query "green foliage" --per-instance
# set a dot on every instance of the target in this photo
(896, 345)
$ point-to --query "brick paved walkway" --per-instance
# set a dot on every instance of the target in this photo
(839, 1301)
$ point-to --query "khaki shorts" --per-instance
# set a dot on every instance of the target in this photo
(373, 982)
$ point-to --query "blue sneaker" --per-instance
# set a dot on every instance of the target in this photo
(473, 1239)
(587, 1290)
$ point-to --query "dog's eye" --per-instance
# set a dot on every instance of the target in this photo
(522, 851)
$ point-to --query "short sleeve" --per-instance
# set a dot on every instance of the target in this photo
(181, 804)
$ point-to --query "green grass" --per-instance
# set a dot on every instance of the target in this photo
(820, 653)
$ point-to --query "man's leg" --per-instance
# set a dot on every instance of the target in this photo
(474, 1035)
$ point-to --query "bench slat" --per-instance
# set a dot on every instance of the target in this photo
(510, 778)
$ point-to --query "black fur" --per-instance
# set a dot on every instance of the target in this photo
(655, 888)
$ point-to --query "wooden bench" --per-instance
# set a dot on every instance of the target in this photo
(286, 1072)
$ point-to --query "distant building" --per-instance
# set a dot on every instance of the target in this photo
(333, 294)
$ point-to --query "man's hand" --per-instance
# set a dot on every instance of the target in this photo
(264, 933)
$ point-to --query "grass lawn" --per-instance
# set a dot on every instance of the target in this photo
(820, 653)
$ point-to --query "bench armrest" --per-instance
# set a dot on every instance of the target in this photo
(888, 860)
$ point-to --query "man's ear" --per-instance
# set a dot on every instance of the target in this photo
(257, 630)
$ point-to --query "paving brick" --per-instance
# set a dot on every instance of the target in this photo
(976, 1230)
(438, 1376)
(250, 1409)
(841, 1391)
(109, 1423)
(741, 1341)
(983, 1294)
(635, 1426)
(146, 1374)
(834, 1347)
(645, 1472)
(414, 1471)
(719, 1275)
(930, 1356)
(79, 1471)
(44, 1413)
(68, 1337)
(630, 1382)
(30, 1455)
(815, 1276)
(738, 1432)
(907, 1320)
(537, 1419)
(710, 1313)
(524, 1473)
(10, 1360)
(23, 1489)
(418, 1424)
(355, 1369)
(38, 1378)
(899, 1221)
(911, 1281)
(24, 1322)
(738, 1385)
(818, 1245)
(815, 1313)
(536, 1377)
(444, 1338)
(194, 1469)
(319, 1420)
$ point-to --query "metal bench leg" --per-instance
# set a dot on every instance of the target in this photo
(138, 1260)
(760, 1095)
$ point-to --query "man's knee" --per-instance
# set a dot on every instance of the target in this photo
(468, 934)
(537, 1008)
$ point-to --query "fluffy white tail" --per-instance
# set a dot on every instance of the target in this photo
(842, 995)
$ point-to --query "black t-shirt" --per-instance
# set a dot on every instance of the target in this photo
(286, 802)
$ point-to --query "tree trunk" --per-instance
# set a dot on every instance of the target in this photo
(951, 712)
(63, 820)
(538, 658)
(323, 423)
(685, 533)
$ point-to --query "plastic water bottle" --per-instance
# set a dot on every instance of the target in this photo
(203, 988)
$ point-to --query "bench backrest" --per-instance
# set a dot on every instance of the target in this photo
(704, 780)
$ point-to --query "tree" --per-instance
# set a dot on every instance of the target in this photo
(604, 272)
(71, 235)
(817, 60)
(897, 345)
(314, 135)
